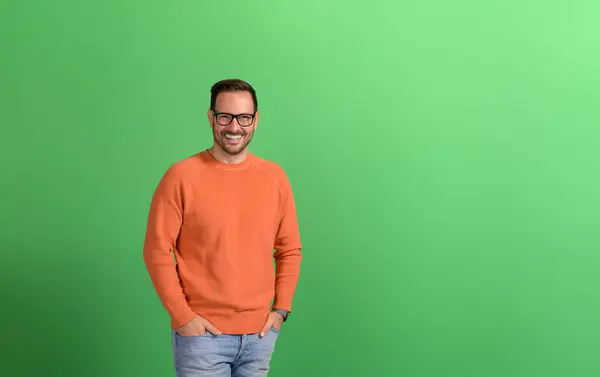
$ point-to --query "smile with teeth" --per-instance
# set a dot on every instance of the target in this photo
(233, 137)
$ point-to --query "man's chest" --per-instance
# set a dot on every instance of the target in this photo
(248, 205)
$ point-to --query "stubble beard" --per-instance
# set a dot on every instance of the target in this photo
(219, 139)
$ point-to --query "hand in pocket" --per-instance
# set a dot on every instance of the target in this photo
(274, 320)
(198, 326)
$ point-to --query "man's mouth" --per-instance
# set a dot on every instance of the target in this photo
(233, 137)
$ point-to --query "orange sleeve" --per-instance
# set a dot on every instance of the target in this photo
(287, 251)
(164, 222)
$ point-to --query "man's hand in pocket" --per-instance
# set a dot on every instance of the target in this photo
(274, 320)
(198, 326)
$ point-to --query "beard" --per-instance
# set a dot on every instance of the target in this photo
(232, 148)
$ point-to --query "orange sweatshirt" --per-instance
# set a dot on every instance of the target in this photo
(214, 232)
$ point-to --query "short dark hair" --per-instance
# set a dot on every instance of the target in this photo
(231, 85)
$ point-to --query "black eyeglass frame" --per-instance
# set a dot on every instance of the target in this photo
(233, 116)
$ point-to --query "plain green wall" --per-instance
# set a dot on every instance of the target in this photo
(445, 158)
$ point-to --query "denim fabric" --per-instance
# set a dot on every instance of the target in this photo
(224, 355)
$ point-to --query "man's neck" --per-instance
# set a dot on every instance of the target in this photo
(227, 158)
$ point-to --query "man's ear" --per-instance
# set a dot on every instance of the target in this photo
(209, 114)
(256, 118)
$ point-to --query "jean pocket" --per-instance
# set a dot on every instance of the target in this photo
(206, 334)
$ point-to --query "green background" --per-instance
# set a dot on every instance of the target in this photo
(445, 158)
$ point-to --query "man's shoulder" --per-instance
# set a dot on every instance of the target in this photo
(270, 167)
(276, 172)
(183, 167)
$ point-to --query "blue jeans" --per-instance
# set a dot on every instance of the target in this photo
(224, 355)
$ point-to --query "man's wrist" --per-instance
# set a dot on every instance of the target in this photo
(284, 313)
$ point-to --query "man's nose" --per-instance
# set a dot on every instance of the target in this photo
(234, 126)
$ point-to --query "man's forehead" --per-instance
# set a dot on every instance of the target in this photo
(235, 102)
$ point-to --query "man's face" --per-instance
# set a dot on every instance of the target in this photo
(231, 134)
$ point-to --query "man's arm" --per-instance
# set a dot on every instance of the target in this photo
(288, 254)
(164, 222)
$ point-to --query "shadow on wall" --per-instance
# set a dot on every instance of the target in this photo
(49, 314)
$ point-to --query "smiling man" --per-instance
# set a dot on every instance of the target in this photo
(217, 221)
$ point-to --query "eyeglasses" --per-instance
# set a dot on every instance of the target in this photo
(224, 119)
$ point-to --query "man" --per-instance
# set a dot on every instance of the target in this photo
(217, 221)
